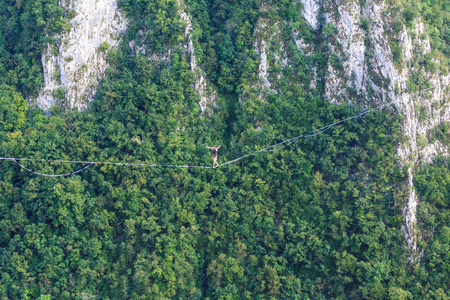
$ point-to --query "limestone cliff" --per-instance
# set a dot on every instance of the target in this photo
(362, 67)
(75, 63)
(274, 59)
(206, 91)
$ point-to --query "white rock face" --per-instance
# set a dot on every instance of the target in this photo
(354, 45)
(310, 12)
(263, 68)
(263, 39)
(419, 149)
(414, 152)
(204, 88)
(359, 71)
(78, 62)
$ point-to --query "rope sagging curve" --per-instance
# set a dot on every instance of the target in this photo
(90, 163)
(51, 175)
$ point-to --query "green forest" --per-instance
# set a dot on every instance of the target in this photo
(318, 219)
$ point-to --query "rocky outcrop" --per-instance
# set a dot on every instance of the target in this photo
(264, 38)
(263, 68)
(362, 69)
(311, 11)
(361, 63)
(74, 65)
(207, 93)
(270, 46)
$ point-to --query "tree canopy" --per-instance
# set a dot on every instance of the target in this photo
(320, 218)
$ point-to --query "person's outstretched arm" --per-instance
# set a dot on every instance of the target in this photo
(207, 147)
(219, 146)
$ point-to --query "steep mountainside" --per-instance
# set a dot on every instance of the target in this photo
(358, 210)
(364, 65)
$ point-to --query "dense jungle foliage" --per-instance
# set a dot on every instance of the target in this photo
(318, 219)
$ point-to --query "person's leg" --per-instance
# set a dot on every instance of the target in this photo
(214, 161)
